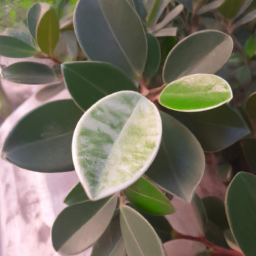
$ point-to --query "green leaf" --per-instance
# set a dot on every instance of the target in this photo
(187, 3)
(215, 129)
(120, 39)
(207, 51)
(179, 164)
(76, 195)
(145, 196)
(171, 31)
(245, 19)
(229, 9)
(29, 73)
(249, 149)
(41, 140)
(47, 31)
(244, 75)
(90, 81)
(138, 5)
(241, 211)
(139, 236)
(250, 110)
(80, 225)
(224, 171)
(250, 46)
(15, 48)
(210, 7)
(111, 243)
(159, 223)
(66, 23)
(153, 57)
(115, 142)
(196, 93)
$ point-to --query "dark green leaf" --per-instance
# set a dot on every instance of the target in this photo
(230, 9)
(250, 46)
(76, 195)
(207, 51)
(145, 196)
(249, 149)
(29, 73)
(244, 75)
(139, 236)
(153, 57)
(251, 111)
(224, 171)
(15, 48)
(80, 225)
(88, 82)
(179, 164)
(41, 140)
(241, 211)
(139, 7)
(120, 38)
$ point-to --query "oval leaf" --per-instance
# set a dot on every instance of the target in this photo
(13, 47)
(248, 146)
(41, 140)
(230, 9)
(250, 110)
(179, 164)
(90, 81)
(196, 93)
(115, 142)
(207, 51)
(47, 31)
(148, 198)
(139, 237)
(241, 211)
(105, 35)
(76, 195)
(29, 73)
(79, 226)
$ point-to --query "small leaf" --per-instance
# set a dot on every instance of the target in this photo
(249, 149)
(250, 110)
(245, 19)
(105, 35)
(179, 164)
(241, 211)
(29, 73)
(76, 195)
(187, 3)
(139, 237)
(224, 171)
(47, 31)
(229, 9)
(166, 32)
(66, 23)
(90, 81)
(148, 198)
(196, 93)
(153, 57)
(13, 47)
(115, 142)
(41, 140)
(250, 46)
(209, 7)
(80, 225)
(111, 243)
(207, 51)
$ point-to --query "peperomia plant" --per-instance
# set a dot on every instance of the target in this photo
(136, 139)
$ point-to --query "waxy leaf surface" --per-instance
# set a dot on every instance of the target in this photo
(80, 225)
(88, 82)
(76, 195)
(115, 142)
(13, 47)
(241, 211)
(41, 140)
(111, 31)
(29, 73)
(196, 93)
(202, 52)
(139, 236)
(179, 164)
(145, 196)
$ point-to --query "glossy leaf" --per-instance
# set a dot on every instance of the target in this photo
(115, 142)
(76, 195)
(29, 73)
(111, 242)
(215, 129)
(249, 149)
(139, 236)
(80, 225)
(241, 211)
(120, 39)
(179, 164)
(250, 110)
(196, 93)
(41, 140)
(207, 51)
(187, 3)
(13, 47)
(145, 196)
(230, 9)
(88, 82)
(250, 46)
(153, 57)
(47, 31)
